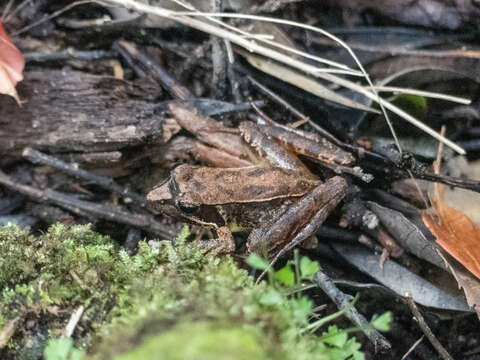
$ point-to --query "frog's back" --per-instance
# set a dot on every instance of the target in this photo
(215, 186)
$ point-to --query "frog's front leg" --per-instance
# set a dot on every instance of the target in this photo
(300, 221)
(269, 149)
(223, 244)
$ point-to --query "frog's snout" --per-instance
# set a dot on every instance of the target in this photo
(159, 194)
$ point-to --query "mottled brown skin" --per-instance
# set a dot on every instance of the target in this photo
(314, 147)
(277, 203)
(219, 196)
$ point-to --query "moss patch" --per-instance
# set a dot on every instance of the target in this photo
(169, 299)
(200, 340)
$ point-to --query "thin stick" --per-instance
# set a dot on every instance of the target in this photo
(68, 54)
(115, 214)
(426, 329)
(6, 10)
(17, 9)
(438, 160)
(104, 182)
(342, 301)
(130, 52)
(219, 60)
(212, 17)
(53, 15)
(428, 94)
(73, 321)
(413, 347)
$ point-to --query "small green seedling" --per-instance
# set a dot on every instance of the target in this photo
(334, 343)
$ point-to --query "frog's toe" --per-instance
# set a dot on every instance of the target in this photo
(224, 244)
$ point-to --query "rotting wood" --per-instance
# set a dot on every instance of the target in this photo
(70, 111)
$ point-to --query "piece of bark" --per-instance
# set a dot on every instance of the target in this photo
(70, 111)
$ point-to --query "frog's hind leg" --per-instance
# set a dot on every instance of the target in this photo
(223, 244)
(300, 221)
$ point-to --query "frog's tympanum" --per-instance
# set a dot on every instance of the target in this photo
(281, 202)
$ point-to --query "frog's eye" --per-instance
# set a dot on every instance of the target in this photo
(188, 208)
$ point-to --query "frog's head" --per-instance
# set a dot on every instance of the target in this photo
(162, 200)
(165, 199)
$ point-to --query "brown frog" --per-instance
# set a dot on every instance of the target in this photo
(281, 201)
(280, 205)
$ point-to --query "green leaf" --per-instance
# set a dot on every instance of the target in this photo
(348, 349)
(271, 297)
(357, 355)
(285, 275)
(308, 268)
(62, 349)
(337, 354)
(302, 308)
(382, 322)
(415, 105)
(257, 262)
(335, 337)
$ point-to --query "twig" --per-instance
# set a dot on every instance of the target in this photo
(122, 51)
(219, 59)
(433, 95)
(412, 348)
(473, 185)
(170, 84)
(426, 329)
(104, 182)
(213, 17)
(68, 54)
(115, 214)
(343, 301)
(51, 16)
(77, 279)
(6, 10)
(415, 169)
(280, 100)
(73, 321)
(17, 9)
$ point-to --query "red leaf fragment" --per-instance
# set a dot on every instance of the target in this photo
(11, 65)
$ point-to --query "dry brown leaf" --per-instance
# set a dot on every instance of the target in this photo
(468, 282)
(455, 232)
(11, 65)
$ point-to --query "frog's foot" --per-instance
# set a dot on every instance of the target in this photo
(224, 244)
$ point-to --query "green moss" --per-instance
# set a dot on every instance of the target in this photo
(170, 298)
(199, 340)
(43, 279)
